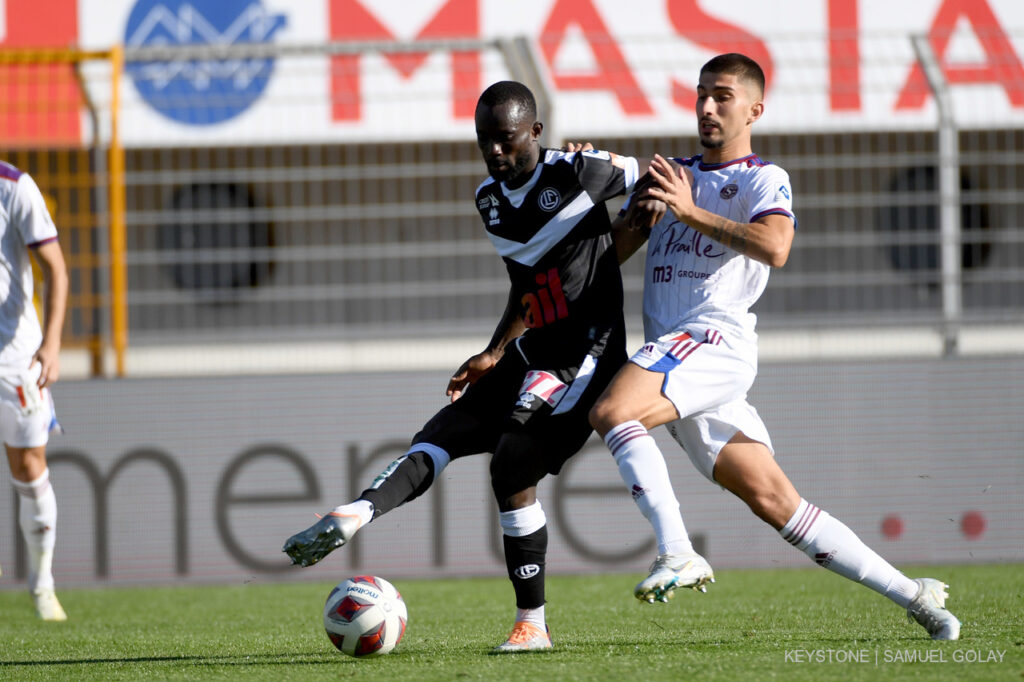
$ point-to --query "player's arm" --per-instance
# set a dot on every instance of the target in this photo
(627, 239)
(510, 326)
(629, 230)
(55, 299)
(768, 239)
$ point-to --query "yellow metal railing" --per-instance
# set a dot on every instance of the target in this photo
(66, 173)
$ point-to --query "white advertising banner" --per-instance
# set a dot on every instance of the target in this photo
(613, 68)
(203, 479)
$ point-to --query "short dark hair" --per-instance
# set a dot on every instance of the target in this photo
(510, 92)
(736, 64)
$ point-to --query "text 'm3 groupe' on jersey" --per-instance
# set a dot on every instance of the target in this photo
(692, 279)
(558, 251)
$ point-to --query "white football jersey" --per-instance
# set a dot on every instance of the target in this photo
(692, 279)
(24, 221)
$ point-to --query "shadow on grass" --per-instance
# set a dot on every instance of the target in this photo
(249, 659)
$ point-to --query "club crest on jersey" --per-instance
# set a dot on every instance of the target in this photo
(549, 199)
(729, 191)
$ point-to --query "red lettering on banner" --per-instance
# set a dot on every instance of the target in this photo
(349, 20)
(40, 102)
(1002, 66)
(613, 73)
(690, 21)
(843, 56)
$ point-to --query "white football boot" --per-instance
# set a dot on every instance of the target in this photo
(323, 537)
(47, 605)
(929, 609)
(672, 571)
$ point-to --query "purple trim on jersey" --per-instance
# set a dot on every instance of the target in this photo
(9, 172)
(687, 161)
(776, 211)
(750, 160)
(36, 245)
(770, 211)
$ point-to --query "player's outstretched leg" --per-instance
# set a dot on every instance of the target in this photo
(929, 609)
(670, 572)
(329, 533)
(403, 480)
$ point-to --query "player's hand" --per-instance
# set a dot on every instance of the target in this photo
(578, 147)
(644, 211)
(673, 185)
(471, 370)
(49, 364)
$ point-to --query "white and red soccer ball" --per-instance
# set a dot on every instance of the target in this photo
(365, 616)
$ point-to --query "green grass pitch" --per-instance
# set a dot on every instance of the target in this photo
(779, 624)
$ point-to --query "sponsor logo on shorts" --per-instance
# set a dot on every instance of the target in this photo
(525, 400)
(729, 191)
(526, 571)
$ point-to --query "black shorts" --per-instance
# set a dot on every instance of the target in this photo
(549, 404)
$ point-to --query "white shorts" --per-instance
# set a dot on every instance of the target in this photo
(707, 376)
(21, 427)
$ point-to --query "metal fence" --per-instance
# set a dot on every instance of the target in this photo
(235, 241)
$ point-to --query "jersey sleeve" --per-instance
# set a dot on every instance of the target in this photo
(604, 175)
(771, 193)
(30, 215)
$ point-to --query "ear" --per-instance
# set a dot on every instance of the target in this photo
(536, 130)
(756, 109)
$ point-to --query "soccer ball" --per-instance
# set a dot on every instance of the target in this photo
(365, 616)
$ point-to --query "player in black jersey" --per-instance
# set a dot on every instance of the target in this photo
(526, 397)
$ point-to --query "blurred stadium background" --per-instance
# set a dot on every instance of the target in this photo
(266, 207)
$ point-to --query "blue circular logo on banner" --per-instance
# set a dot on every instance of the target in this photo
(200, 91)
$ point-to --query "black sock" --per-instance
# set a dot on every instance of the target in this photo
(409, 480)
(524, 557)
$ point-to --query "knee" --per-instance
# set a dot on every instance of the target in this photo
(28, 465)
(512, 474)
(768, 505)
(606, 414)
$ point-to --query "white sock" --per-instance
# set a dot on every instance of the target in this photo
(533, 617)
(37, 516)
(361, 508)
(519, 523)
(643, 469)
(831, 544)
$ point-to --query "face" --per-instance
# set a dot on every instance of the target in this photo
(508, 139)
(726, 106)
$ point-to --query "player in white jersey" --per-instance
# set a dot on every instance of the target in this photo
(29, 364)
(728, 220)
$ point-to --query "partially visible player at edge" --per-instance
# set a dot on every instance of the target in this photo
(526, 397)
(29, 364)
(729, 220)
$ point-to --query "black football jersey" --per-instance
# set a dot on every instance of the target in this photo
(554, 235)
